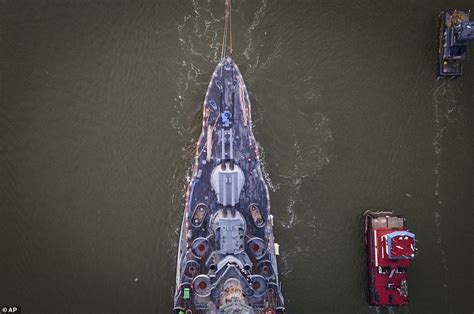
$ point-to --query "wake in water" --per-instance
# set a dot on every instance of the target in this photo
(258, 16)
(310, 155)
(445, 116)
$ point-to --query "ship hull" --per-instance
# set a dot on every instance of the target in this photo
(226, 258)
(449, 65)
(387, 274)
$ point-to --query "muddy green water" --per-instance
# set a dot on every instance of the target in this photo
(101, 108)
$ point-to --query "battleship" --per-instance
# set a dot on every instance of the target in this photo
(226, 260)
(390, 250)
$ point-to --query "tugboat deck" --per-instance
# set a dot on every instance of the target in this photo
(390, 251)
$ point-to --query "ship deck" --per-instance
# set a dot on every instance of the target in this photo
(227, 183)
(387, 274)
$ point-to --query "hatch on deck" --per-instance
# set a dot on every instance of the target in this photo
(387, 222)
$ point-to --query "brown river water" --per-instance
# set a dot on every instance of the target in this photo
(101, 107)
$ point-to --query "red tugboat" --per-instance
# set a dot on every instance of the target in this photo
(390, 249)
